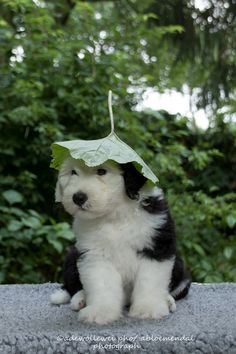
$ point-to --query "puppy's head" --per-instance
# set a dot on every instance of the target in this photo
(91, 192)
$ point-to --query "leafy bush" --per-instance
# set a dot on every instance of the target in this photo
(32, 245)
(206, 234)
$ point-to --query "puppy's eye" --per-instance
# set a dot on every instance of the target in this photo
(73, 172)
(101, 172)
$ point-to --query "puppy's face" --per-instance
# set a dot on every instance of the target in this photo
(90, 192)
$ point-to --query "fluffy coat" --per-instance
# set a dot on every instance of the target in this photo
(125, 253)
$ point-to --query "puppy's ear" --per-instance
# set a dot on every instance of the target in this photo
(134, 180)
(58, 192)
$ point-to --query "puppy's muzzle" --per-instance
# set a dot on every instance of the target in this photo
(80, 198)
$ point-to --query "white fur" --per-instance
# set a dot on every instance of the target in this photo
(78, 301)
(110, 228)
(171, 303)
(150, 298)
(60, 296)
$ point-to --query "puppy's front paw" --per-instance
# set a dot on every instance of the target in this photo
(100, 315)
(171, 303)
(78, 301)
(152, 310)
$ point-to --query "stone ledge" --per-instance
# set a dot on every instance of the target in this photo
(204, 322)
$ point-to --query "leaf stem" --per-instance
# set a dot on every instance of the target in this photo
(110, 111)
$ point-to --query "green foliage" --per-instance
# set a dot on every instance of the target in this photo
(206, 230)
(185, 158)
(205, 50)
(32, 247)
(58, 59)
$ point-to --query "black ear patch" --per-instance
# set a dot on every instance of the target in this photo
(134, 180)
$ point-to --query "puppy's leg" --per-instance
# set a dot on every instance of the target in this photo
(150, 298)
(104, 295)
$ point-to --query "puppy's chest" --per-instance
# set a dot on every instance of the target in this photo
(112, 246)
(117, 242)
(129, 233)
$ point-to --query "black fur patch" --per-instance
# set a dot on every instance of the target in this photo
(179, 274)
(164, 245)
(154, 205)
(163, 242)
(133, 179)
(71, 279)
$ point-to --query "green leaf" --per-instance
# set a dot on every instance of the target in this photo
(231, 221)
(12, 196)
(58, 246)
(199, 249)
(67, 235)
(31, 222)
(64, 231)
(228, 252)
(14, 225)
(96, 152)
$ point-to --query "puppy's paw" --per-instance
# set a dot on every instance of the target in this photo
(150, 310)
(60, 296)
(78, 301)
(171, 303)
(99, 315)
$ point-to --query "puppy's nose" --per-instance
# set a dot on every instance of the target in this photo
(79, 198)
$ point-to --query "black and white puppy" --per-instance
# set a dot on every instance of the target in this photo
(125, 251)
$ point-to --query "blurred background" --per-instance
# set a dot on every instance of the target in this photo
(172, 68)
